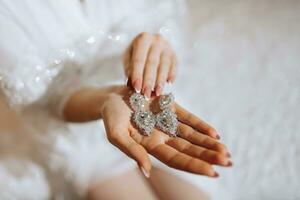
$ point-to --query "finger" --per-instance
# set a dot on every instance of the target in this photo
(135, 151)
(162, 74)
(139, 54)
(150, 70)
(210, 156)
(173, 70)
(181, 161)
(195, 137)
(189, 119)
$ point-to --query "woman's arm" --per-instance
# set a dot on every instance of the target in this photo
(87, 103)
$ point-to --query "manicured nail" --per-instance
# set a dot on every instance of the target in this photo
(229, 163)
(158, 89)
(147, 92)
(128, 82)
(171, 80)
(137, 84)
(218, 136)
(146, 174)
(137, 91)
(228, 154)
(216, 174)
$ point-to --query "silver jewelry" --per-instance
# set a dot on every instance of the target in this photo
(137, 101)
(166, 120)
(165, 101)
(145, 121)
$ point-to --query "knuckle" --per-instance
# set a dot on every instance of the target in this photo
(218, 157)
(166, 61)
(219, 147)
(141, 43)
(210, 130)
(159, 37)
(143, 35)
(149, 78)
(161, 43)
(136, 61)
(152, 61)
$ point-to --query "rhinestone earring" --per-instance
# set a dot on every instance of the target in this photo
(144, 120)
(166, 120)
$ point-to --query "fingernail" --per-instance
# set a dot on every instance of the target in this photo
(170, 80)
(218, 136)
(137, 91)
(228, 154)
(137, 85)
(147, 92)
(229, 163)
(128, 82)
(158, 89)
(216, 174)
(146, 174)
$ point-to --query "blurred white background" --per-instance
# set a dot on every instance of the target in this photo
(243, 76)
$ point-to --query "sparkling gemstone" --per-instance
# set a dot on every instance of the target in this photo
(137, 101)
(145, 121)
(165, 101)
(167, 122)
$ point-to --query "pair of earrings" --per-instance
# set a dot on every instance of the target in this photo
(145, 120)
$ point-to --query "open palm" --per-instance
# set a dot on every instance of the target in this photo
(195, 149)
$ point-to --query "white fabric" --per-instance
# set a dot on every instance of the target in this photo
(242, 75)
(244, 78)
(48, 50)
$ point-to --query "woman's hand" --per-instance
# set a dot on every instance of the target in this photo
(195, 149)
(149, 63)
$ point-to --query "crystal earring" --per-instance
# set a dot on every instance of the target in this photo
(144, 120)
(166, 120)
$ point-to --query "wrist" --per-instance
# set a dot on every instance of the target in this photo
(87, 104)
(111, 94)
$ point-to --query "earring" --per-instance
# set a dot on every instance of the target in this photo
(166, 120)
(144, 120)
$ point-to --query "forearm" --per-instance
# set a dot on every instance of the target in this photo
(87, 104)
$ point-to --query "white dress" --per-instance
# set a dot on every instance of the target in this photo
(48, 50)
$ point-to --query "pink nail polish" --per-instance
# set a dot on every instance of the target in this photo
(147, 92)
(158, 90)
(216, 174)
(146, 174)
